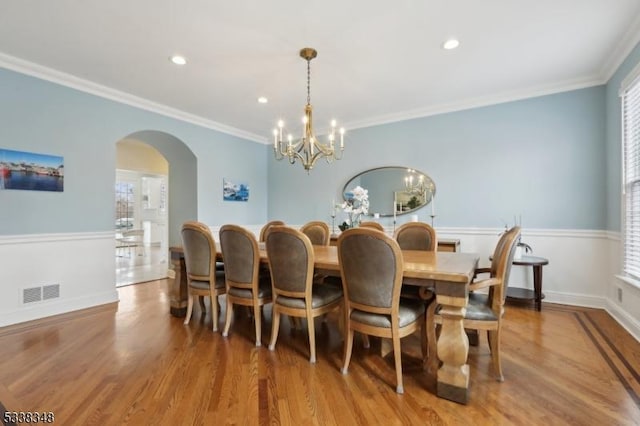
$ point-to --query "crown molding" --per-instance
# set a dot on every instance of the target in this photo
(478, 102)
(69, 80)
(628, 42)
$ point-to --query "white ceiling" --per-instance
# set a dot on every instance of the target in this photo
(378, 61)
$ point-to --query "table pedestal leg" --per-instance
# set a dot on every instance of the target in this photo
(453, 344)
(178, 291)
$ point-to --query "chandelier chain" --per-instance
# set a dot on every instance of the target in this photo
(308, 81)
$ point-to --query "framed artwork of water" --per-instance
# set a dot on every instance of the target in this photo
(232, 191)
(31, 171)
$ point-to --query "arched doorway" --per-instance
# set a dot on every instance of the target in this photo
(155, 193)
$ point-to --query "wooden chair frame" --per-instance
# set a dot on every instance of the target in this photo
(395, 332)
(502, 258)
(255, 302)
(308, 312)
(212, 292)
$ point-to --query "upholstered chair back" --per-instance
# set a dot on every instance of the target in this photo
(502, 261)
(371, 267)
(199, 249)
(265, 229)
(290, 259)
(416, 236)
(240, 254)
(371, 224)
(318, 232)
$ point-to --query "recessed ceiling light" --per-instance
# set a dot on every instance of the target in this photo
(178, 60)
(450, 44)
(263, 100)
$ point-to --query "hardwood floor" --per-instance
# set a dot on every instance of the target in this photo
(135, 364)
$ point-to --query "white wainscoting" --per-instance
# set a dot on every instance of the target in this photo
(581, 271)
(81, 263)
(626, 311)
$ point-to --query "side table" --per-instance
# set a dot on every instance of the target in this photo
(524, 294)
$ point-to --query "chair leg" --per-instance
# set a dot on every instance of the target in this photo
(214, 312)
(397, 356)
(348, 346)
(494, 344)
(293, 321)
(203, 307)
(312, 338)
(275, 328)
(189, 309)
(227, 323)
(258, 319)
(365, 341)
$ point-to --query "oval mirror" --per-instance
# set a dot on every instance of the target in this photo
(405, 189)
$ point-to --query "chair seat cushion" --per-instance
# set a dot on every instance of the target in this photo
(479, 308)
(409, 311)
(264, 290)
(322, 295)
(204, 285)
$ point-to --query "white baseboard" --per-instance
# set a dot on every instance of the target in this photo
(632, 325)
(46, 309)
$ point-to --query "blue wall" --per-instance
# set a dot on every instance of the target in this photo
(542, 158)
(614, 140)
(43, 117)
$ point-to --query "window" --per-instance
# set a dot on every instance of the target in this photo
(125, 205)
(631, 174)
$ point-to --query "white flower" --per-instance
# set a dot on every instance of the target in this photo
(357, 204)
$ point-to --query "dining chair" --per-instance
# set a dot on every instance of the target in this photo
(371, 266)
(416, 236)
(291, 262)
(485, 309)
(265, 229)
(203, 279)
(372, 224)
(318, 232)
(245, 285)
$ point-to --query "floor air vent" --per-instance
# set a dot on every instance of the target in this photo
(38, 294)
(30, 295)
(50, 291)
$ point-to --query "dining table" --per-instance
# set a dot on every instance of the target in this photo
(448, 273)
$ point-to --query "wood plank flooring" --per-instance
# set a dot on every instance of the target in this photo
(133, 363)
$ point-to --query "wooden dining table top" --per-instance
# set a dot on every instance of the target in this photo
(428, 265)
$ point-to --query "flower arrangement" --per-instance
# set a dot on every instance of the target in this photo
(356, 204)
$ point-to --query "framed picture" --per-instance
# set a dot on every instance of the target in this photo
(234, 191)
(31, 171)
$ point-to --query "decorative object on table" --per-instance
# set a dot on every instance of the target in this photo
(356, 204)
(332, 212)
(31, 171)
(234, 191)
(308, 148)
(522, 248)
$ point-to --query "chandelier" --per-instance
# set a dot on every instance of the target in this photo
(418, 187)
(308, 149)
